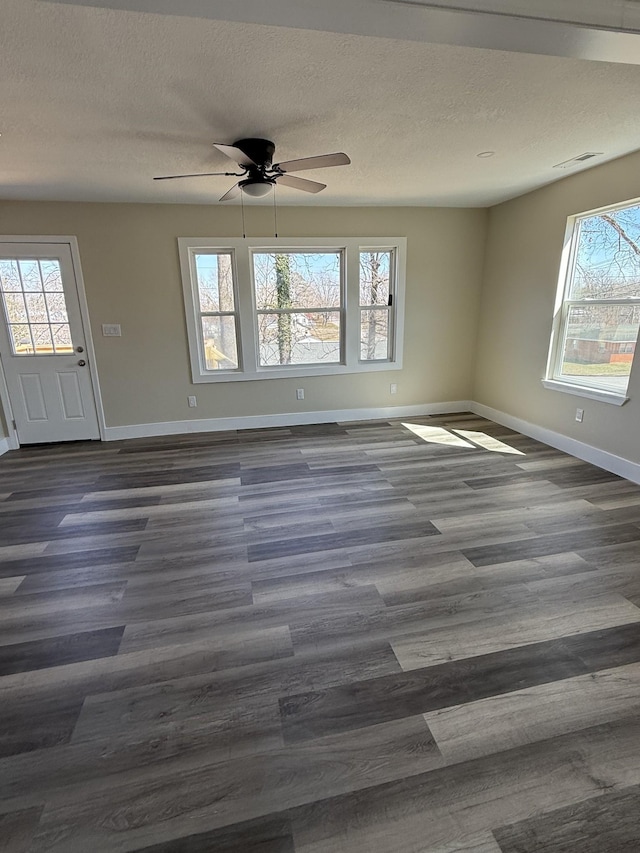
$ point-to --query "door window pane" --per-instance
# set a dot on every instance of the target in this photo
(42, 337)
(56, 307)
(9, 276)
(62, 338)
(51, 276)
(36, 307)
(21, 339)
(30, 275)
(16, 309)
(32, 294)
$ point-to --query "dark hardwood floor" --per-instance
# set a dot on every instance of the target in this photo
(389, 637)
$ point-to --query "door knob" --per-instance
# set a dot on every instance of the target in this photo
(82, 362)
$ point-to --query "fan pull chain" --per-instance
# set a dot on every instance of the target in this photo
(244, 232)
(275, 213)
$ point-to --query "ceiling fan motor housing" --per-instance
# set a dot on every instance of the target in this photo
(261, 151)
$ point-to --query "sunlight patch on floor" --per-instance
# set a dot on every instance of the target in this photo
(467, 438)
(437, 435)
(488, 442)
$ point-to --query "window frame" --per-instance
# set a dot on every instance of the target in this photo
(390, 306)
(199, 313)
(242, 251)
(34, 352)
(554, 379)
(341, 309)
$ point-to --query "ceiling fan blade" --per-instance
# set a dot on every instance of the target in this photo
(234, 192)
(235, 154)
(300, 183)
(197, 175)
(320, 162)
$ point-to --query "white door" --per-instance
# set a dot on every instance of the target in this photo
(42, 344)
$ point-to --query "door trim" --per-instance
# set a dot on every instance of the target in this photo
(72, 243)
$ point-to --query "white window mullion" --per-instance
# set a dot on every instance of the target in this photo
(351, 311)
(246, 306)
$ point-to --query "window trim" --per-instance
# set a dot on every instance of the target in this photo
(553, 379)
(247, 331)
(391, 313)
(341, 309)
(199, 313)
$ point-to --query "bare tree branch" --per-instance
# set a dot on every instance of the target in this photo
(612, 222)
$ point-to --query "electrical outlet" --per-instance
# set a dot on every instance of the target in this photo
(579, 415)
(299, 393)
(393, 388)
(192, 402)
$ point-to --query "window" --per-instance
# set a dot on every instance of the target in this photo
(299, 304)
(259, 309)
(217, 317)
(598, 310)
(376, 304)
(34, 305)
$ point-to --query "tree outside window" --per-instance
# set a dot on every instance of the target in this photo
(600, 314)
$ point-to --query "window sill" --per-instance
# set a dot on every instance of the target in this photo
(582, 391)
(295, 372)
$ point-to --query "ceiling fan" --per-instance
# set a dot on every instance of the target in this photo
(259, 174)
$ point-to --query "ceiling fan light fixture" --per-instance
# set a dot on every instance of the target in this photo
(256, 189)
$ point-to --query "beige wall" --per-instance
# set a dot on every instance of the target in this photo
(524, 246)
(129, 258)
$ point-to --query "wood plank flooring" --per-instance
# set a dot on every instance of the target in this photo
(380, 637)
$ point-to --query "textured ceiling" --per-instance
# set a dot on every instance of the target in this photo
(97, 101)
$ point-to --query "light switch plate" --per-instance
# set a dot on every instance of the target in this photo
(111, 330)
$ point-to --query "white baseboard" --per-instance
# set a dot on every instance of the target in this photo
(280, 420)
(603, 459)
(7, 443)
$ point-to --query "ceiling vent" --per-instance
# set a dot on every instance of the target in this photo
(576, 161)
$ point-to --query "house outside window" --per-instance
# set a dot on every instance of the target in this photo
(598, 308)
(269, 308)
